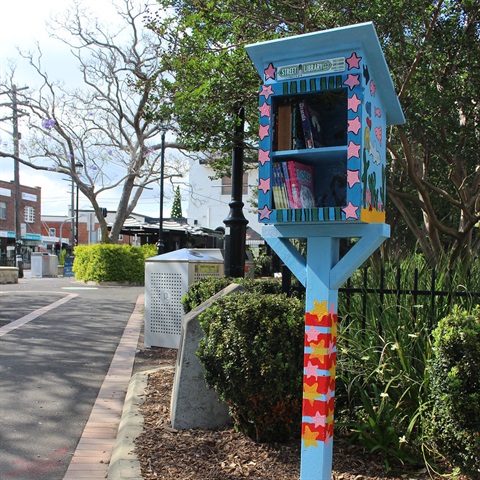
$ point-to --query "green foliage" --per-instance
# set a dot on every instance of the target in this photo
(454, 422)
(382, 385)
(383, 381)
(177, 204)
(432, 49)
(263, 265)
(111, 263)
(61, 257)
(207, 287)
(252, 352)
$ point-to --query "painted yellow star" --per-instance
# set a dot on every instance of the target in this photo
(310, 393)
(332, 370)
(333, 329)
(310, 437)
(319, 351)
(319, 308)
(329, 419)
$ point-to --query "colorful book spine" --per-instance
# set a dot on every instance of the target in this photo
(306, 124)
(301, 181)
(288, 184)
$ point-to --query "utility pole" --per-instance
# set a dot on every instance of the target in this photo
(16, 172)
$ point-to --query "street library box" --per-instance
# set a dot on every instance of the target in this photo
(324, 106)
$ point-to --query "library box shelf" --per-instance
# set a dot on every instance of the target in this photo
(324, 105)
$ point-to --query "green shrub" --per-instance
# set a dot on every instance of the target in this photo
(455, 420)
(252, 352)
(110, 263)
(207, 287)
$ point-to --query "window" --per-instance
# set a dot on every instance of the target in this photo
(29, 215)
(3, 210)
(52, 232)
(227, 185)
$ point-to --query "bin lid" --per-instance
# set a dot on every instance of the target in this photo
(184, 255)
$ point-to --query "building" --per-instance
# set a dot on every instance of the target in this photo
(208, 203)
(30, 203)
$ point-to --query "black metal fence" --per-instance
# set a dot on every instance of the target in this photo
(430, 292)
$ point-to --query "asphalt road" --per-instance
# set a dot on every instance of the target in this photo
(52, 365)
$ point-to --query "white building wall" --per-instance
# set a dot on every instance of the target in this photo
(208, 207)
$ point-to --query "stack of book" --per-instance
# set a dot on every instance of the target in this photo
(297, 126)
(292, 185)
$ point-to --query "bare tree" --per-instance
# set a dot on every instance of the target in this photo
(100, 135)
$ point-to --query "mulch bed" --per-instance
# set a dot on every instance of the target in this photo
(168, 454)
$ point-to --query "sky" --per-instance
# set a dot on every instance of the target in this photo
(23, 23)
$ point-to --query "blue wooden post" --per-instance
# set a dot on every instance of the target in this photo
(322, 273)
(323, 187)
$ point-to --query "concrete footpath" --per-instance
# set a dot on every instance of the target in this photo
(67, 355)
(101, 450)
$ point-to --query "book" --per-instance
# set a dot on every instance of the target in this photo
(312, 129)
(284, 127)
(288, 185)
(298, 140)
(306, 124)
(278, 187)
(301, 184)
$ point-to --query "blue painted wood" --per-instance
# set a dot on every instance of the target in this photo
(304, 48)
(354, 258)
(338, 230)
(290, 256)
(322, 255)
(322, 273)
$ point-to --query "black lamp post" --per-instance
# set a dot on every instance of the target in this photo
(77, 165)
(236, 223)
(160, 244)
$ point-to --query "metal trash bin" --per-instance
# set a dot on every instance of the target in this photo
(44, 264)
(167, 278)
(52, 266)
(37, 263)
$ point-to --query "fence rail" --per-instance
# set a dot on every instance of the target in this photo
(401, 285)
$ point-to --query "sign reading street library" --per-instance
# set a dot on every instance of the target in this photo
(330, 65)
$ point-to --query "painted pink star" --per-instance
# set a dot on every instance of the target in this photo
(319, 420)
(329, 394)
(353, 103)
(353, 150)
(353, 61)
(263, 131)
(327, 438)
(264, 110)
(311, 370)
(312, 334)
(331, 348)
(270, 72)
(263, 156)
(352, 177)
(354, 125)
(264, 185)
(265, 213)
(266, 91)
(350, 211)
(352, 81)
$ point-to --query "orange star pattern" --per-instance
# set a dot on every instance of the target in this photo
(310, 437)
